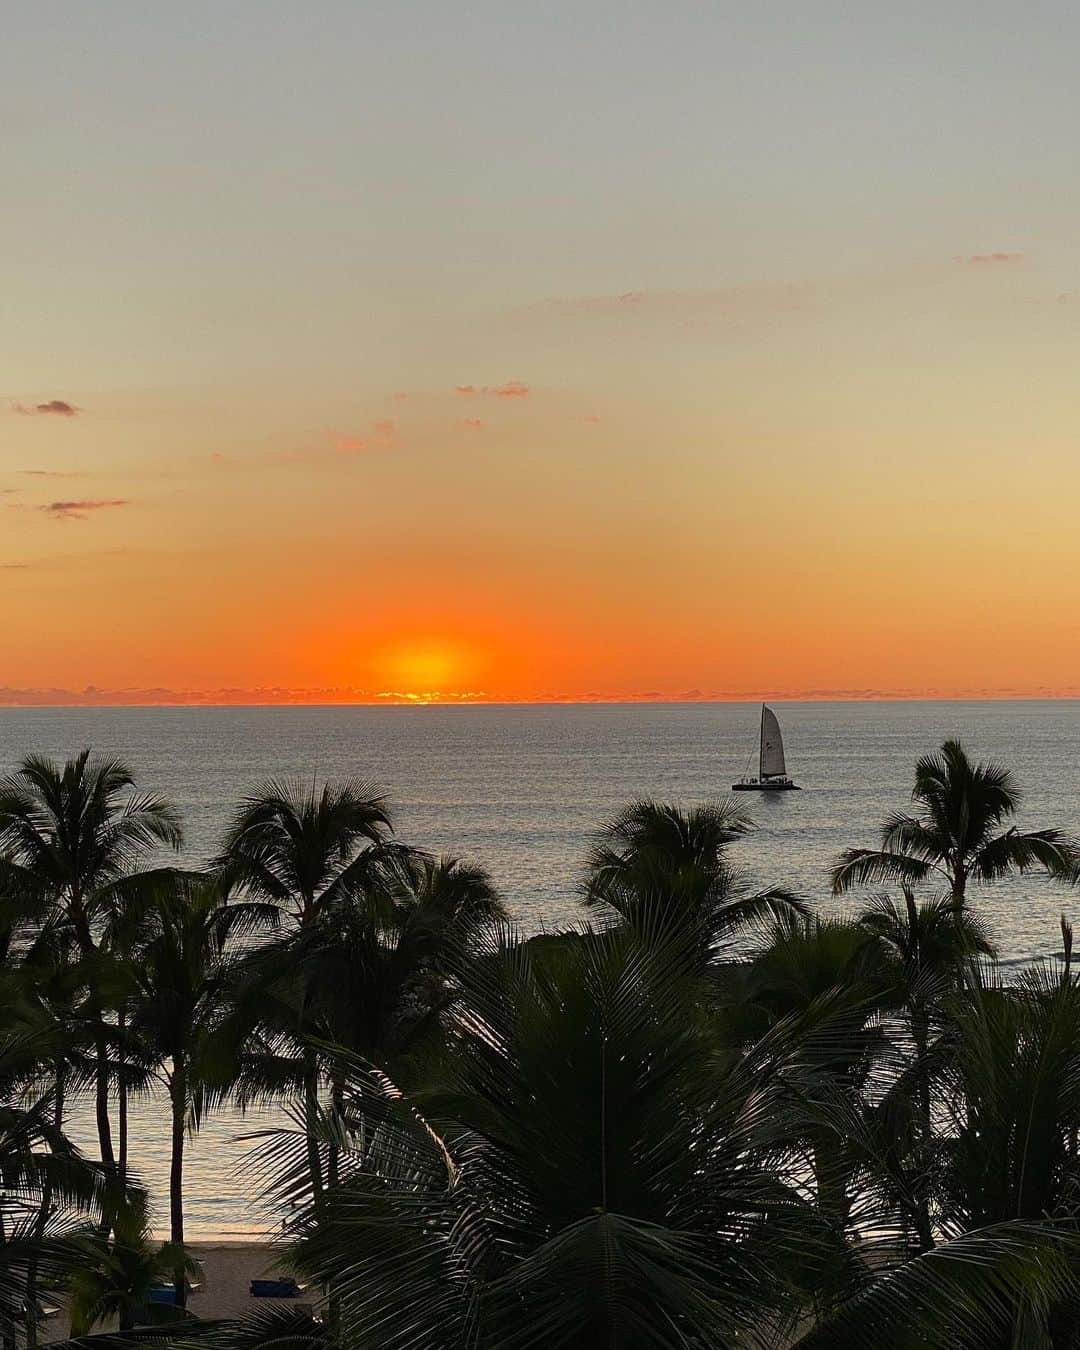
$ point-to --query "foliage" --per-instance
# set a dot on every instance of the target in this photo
(716, 1118)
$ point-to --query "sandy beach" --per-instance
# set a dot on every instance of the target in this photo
(228, 1267)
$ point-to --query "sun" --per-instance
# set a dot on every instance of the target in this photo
(427, 666)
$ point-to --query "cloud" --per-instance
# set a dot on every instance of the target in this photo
(475, 423)
(978, 258)
(511, 389)
(382, 433)
(13, 567)
(591, 418)
(50, 473)
(755, 298)
(57, 407)
(80, 510)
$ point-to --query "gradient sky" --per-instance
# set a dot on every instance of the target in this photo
(539, 351)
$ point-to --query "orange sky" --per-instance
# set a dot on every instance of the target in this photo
(348, 365)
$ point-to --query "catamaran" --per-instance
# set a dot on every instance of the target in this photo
(772, 771)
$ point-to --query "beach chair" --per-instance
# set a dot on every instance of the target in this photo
(276, 1289)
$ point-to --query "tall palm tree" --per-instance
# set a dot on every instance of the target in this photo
(72, 836)
(927, 951)
(667, 870)
(370, 973)
(183, 959)
(958, 832)
(47, 1189)
(303, 849)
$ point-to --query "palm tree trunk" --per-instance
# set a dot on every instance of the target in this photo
(178, 1095)
(122, 1096)
(311, 1116)
(101, 1103)
(85, 938)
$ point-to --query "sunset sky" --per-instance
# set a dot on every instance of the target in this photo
(529, 351)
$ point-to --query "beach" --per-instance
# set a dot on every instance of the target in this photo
(228, 1267)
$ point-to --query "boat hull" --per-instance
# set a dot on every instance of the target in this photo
(766, 787)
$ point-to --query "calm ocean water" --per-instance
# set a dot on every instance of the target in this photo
(519, 789)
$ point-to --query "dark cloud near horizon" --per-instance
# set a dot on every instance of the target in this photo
(55, 407)
(78, 510)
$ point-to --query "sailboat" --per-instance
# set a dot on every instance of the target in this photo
(772, 771)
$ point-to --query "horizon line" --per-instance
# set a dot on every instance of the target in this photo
(111, 701)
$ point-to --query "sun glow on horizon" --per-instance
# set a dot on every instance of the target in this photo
(424, 669)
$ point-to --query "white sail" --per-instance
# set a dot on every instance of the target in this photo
(772, 745)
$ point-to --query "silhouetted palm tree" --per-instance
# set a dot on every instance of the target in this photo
(588, 1165)
(73, 836)
(304, 850)
(958, 832)
(299, 848)
(928, 949)
(667, 871)
(1009, 1096)
(180, 972)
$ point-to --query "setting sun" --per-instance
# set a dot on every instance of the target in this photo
(426, 667)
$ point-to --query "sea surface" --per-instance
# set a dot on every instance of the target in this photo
(519, 788)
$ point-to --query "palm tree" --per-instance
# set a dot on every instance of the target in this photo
(667, 871)
(181, 970)
(304, 850)
(584, 1170)
(72, 836)
(588, 1165)
(927, 950)
(958, 832)
(117, 1275)
(46, 1187)
(1009, 1091)
(295, 847)
(369, 972)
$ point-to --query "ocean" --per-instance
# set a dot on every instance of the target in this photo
(519, 789)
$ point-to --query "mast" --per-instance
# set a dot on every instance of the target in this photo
(761, 747)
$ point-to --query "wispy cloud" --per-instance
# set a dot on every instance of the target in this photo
(982, 258)
(55, 407)
(383, 433)
(780, 297)
(511, 389)
(50, 473)
(473, 423)
(591, 418)
(80, 510)
(13, 567)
